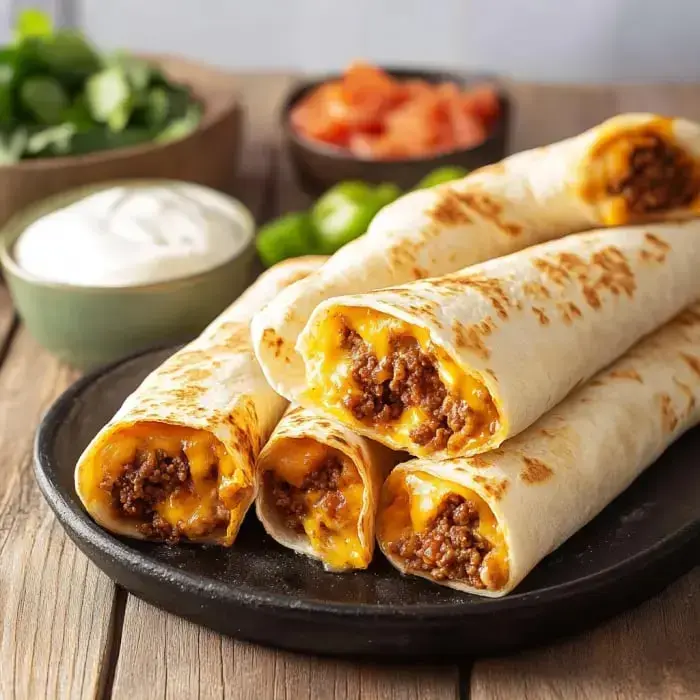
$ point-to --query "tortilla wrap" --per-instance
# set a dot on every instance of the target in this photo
(481, 524)
(455, 365)
(318, 489)
(633, 168)
(177, 460)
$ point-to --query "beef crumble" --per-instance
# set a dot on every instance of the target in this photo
(660, 177)
(292, 502)
(450, 549)
(407, 376)
(147, 481)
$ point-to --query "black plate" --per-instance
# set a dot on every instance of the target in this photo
(262, 592)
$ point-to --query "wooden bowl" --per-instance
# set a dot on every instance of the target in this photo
(318, 166)
(207, 156)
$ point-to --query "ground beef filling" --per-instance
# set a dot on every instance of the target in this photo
(320, 488)
(660, 177)
(407, 376)
(450, 549)
(149, 480)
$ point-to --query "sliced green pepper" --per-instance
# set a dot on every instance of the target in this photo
(439, 176)
(287, 237)
(345, 211)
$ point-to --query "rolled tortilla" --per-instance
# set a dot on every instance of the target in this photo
(481, 524)
(633, 168)
(177, 460)
(455, 365)
(318, 489)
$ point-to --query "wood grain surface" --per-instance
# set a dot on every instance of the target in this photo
(67, 632)
(55, 607)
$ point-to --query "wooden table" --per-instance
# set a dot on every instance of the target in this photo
(66, 631)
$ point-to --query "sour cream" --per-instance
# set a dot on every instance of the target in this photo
(135, 235)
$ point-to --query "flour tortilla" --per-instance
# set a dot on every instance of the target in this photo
(213, 384)
(548, 482)
(526, 199)
(533, 325)
(372, 461)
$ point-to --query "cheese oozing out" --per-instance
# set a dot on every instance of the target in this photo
(639, 173)
(208, 504)
(316, 491)
(331, 384)
(410, 504)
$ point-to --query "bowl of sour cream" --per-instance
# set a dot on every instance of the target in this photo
(100, 272)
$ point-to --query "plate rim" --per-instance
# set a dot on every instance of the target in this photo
(78, 524)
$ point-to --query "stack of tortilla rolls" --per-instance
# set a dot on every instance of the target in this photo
(631, 169)
(178, 458)
(469, 382)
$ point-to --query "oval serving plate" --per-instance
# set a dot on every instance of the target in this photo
(264, 593)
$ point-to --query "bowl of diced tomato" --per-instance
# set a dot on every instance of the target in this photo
(392, 125)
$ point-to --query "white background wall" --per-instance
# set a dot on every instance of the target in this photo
(632, 40)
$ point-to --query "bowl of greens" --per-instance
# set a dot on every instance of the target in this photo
(71, 115)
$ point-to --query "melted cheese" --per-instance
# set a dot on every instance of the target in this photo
(610, 160)
(329, 376)
(335, 540)
(212, 470)
(410, 502)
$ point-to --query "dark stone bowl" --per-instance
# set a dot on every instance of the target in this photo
(318, 166)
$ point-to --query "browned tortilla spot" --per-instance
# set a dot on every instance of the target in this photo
(479, 461)
(607, 270)
(183, 359)
(401, 256)
(489, 287)
(496, 488)
(491, 372)
(273, 341)
(195, 374)
(535, 471)
(569, 311)
(692, 361)
(239, 339)
(471, 337)
(449, 209)
(617, 275)
(689, 394)
(669, 419)
(536, 290)
(659, 249)
(627, 374)
(489, 209)
(541, 315)
(555, 272)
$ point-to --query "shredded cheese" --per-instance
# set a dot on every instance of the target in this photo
(410, 503)
(330, 382)
(191, 510)
(333, 535)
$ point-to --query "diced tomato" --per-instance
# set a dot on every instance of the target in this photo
(482, 101)
(376, 116)
(364, 145)
(363, 82)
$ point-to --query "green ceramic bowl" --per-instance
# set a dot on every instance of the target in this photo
(90, 326)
